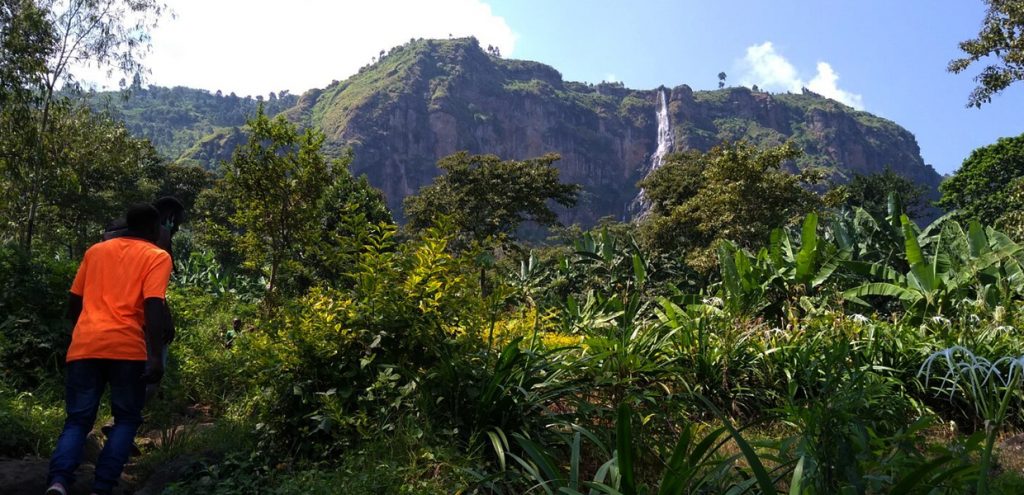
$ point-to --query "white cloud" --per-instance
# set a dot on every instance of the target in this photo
(611, 77)
(824, 83)
(258, 46)
(766, 68)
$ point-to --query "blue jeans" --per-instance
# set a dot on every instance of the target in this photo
(86, 379)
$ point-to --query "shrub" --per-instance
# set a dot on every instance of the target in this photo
(33, 333)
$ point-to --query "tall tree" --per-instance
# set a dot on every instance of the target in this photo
(108, 34)
(980, 188)
(487, 197)
(26, 41)
(1001, 38)
(735, 191)
(104, 169)
(277, 183)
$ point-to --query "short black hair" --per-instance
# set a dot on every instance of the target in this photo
(170, 207)
(142, 218)
(168, 204)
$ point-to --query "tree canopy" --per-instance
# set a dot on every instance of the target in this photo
(276, 183)
(1001, 37)
(981, 187)
(39, 44)
(871, 192)
(735, 191)
(26, 40)
(285, 210)
(485, 196)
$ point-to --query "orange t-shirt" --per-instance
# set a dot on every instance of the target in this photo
(114, 279)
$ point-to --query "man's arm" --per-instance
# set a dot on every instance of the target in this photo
(77, 292)
(169, 336)
(74, 308)
(158, 326)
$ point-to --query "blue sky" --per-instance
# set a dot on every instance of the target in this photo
(893, 54)
(887, 57)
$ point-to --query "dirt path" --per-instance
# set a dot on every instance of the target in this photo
(28, 477)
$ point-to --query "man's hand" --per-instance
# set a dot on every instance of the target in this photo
(154, 370)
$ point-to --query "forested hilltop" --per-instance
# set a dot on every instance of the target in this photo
(178, 119)
(429, 98)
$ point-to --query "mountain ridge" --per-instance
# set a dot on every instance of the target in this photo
(429, 98)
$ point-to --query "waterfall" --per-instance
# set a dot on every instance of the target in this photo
(641, 206)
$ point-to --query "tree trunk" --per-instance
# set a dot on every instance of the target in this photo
(38, 167)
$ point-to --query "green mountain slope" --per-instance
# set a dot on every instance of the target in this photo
(177, 119)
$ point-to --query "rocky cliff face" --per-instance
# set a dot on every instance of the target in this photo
(431, 98)
(438, 97)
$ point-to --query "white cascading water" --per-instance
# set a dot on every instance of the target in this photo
(641, 206)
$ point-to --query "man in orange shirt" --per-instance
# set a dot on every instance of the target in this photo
(119, 291)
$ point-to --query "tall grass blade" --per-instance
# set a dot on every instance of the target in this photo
(796, 483)
(764, 480)
(624, 446)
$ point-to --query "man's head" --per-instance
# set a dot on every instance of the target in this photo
(143, 221)
(172, 212)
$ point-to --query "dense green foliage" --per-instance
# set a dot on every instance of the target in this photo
(39, 156)
(591, 366)
(872, 192)
(486, 197)
(698, 199)
(25, 42)
(276, 185)
(1001, 36)
(982, 187)
(284, 210)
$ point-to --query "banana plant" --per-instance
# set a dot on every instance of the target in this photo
(781, 273)
(980, 265)
(812, 264)
(746, 279)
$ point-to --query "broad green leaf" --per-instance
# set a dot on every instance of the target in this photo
(874, 270)
(775, 247)
(978, 239)
(540, 459)
(842, 235)
(805, 258)
(924, 274)
(919, 475)
(639, 272)
(825, 271)
(895, 210)
(674, 479)
(911, 246)
(499, 443)
(574, 462)
(883, 289)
